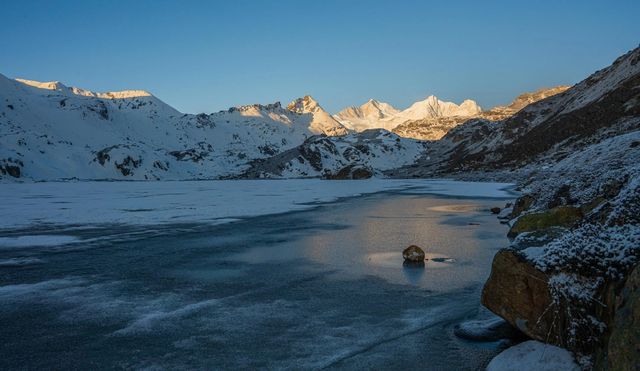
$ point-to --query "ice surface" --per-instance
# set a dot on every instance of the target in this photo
(37, 240)
(296, 290)
(214, 202)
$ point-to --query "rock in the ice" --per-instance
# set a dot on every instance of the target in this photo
(492, 329)
(413, 253)
(495, 210)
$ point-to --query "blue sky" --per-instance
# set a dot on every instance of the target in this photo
(203, 56)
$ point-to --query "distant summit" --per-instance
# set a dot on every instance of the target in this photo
(375, 114)
(322, 122)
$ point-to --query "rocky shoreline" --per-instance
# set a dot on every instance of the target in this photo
(570, 276)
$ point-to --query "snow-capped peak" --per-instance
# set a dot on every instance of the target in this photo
(432, 107)
(305, 104)
(322, 122)
(376, 108)
(375, 114)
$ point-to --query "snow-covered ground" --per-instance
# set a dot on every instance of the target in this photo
(214, 202)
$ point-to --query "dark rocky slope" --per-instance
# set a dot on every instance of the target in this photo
(570, 275)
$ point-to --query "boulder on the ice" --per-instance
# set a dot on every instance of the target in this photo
(413, 253)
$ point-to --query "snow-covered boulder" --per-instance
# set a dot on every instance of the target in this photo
(533, 356)
(492, 329)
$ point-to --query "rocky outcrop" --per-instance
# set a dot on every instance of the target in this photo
(520, 294)
(623, 350)
(573, 280)
(352, 172)
(11, 167)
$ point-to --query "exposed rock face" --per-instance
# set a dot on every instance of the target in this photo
(353, 172)
(431, 128)
(624, 341)
(413, 253)
(11, 167)
(519, 293)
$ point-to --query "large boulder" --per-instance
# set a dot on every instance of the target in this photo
(561, 216)
(529, 299)
(519, 293)
(413, 253)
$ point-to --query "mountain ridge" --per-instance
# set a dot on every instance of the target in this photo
(375, 114)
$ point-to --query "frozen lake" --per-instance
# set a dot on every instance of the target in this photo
(244, 274)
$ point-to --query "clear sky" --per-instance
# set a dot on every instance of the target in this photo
(203, 56)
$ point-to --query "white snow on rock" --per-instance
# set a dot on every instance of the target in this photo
(533, 356)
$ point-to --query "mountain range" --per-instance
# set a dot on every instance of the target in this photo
(570, 276)
(53, 132)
